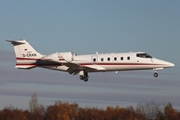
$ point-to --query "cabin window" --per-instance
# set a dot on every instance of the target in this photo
(102, 59)
(122, 58)
(115, 58)
(128, 58)
(94, 59)
(108, 59)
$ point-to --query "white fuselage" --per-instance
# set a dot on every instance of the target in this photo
(114, 62)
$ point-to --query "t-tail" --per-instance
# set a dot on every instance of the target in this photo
(26, 55)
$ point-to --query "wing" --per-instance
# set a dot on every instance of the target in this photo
(74, 68)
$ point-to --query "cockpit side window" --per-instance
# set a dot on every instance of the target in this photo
(143, 55)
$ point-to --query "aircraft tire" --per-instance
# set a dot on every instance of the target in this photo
(85, 79)
(81, 77)
(155, 74)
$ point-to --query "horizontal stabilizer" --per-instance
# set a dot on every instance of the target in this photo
(15, 42)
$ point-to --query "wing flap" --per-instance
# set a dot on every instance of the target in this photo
(86, 67)
(94, 67)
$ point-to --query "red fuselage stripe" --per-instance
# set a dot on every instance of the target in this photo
(118, 64)
(82, 64)
(110, 64)
(31, 59)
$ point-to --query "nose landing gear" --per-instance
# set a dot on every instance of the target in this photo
(155, 74)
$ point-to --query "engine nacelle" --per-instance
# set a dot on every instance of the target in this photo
(62, 57)
(66, 56)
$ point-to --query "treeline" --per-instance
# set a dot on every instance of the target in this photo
(71, 111)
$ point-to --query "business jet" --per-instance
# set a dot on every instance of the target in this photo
(27, 58)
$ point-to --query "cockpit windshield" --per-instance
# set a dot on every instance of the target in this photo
(143, 55)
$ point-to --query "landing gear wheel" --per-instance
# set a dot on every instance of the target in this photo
(155, 74)
(81, 77)
(85, 79)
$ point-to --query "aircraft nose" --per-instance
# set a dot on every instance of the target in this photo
(171, 64)
(165, 64)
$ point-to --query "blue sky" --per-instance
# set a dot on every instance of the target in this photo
(87, 27)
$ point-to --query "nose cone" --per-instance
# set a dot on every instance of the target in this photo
(163, 64)
(167, 64)
(170, 64)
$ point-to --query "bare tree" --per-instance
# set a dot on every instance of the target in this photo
(149, 110)
(35, 107)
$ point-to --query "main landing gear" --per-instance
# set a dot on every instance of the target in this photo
(83, 75)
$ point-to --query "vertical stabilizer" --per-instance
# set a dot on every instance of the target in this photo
(26, 55)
